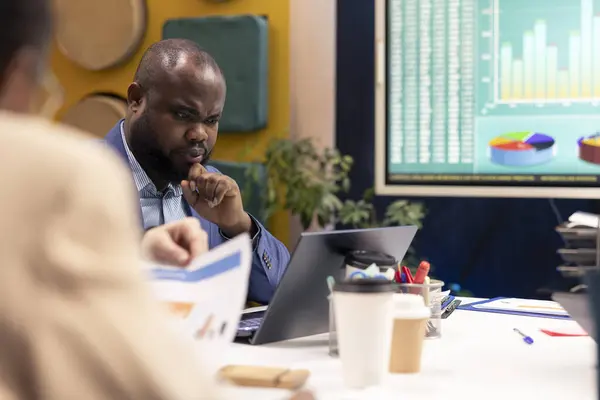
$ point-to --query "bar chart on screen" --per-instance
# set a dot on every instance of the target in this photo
(538, 56)
(498, 92)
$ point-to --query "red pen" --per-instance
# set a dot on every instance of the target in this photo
(409, 277)
(422, 272)
(398, 276)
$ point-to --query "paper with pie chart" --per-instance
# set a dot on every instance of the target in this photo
(521, 149)
(207, 298)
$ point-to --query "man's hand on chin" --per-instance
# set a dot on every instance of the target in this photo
(217, 198)
(175, 243)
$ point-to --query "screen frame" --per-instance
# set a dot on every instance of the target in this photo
(383, 188)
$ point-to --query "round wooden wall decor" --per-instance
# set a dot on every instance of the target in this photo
(99, 34)
(96, 114)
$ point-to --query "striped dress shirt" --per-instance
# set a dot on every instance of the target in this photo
(157, 207)
(270, 257)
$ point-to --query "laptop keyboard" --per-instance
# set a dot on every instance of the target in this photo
(250, 324)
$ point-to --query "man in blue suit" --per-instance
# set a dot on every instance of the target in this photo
(174, 106)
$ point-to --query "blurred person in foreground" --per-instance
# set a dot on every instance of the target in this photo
(77, 319)
(174, 106)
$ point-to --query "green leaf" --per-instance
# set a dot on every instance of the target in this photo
(369, 194)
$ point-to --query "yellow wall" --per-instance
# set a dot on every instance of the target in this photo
(78, 82)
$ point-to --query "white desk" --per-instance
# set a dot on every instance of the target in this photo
(479, 357)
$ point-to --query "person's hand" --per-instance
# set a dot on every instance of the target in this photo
(175, 243)
(216, 198)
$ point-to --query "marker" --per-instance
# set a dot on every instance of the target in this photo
(526, 339)
(422, 272)
(409, 277)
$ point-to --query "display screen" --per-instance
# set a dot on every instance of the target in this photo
(493, 92)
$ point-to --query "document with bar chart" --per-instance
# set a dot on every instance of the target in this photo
(206, 298)
(493, 92)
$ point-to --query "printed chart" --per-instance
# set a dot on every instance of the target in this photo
(522, 149)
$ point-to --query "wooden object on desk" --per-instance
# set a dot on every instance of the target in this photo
(96, 114)
(303, 395)
(255, 376)
(99, 34)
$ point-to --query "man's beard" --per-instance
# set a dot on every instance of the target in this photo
(147, 151)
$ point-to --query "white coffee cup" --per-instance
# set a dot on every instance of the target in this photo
(363, 318)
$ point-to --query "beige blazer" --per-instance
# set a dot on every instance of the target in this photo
(77, 320)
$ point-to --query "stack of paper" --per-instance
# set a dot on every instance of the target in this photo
(580, 218)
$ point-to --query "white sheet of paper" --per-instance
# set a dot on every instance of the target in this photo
(207, 298)
(580, 218)
(254, 309)
(524, 306)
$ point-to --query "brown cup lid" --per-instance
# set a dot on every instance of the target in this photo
(96, 114)
(99, 34)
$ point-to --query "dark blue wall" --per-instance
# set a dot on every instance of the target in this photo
(491, 247)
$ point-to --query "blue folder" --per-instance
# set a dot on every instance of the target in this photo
(469, 307)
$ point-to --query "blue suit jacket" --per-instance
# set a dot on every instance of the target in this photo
(270, 255)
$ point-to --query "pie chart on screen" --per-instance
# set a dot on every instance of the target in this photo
(520, 149)
(589, 148)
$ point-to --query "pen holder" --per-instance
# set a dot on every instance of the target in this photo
(431, 294)
(333, 344)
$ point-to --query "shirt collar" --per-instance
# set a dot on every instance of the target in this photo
(141, 179)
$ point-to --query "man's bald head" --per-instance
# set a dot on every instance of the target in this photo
(168, 55)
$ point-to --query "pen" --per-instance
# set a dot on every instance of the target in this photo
(426, 291)
(526, 339)
(406, 272)
(422, 272)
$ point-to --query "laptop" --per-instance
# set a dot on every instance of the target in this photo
(578, 307)
(299, 306)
